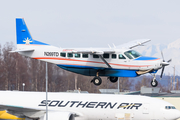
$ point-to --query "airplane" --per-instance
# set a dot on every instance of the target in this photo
(119, 61)
(83, 106)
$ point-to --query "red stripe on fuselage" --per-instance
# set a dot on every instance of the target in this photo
(52, 58)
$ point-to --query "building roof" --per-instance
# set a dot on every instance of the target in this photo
(146, 91)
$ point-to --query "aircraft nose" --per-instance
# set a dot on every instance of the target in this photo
(164, 63)
(177, 114)
(159, 63)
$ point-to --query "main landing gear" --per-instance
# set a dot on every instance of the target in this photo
(154, 82)
(113, 79)
(97, 80)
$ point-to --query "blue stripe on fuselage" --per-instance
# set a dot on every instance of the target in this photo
(92, 71)
(146, 58)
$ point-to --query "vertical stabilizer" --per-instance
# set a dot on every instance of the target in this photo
(23, 35)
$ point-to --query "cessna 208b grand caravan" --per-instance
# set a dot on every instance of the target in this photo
(77, 106)
(120, 61)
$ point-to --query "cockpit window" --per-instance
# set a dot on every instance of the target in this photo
(170, 107)
(128, 55)
(131, 53)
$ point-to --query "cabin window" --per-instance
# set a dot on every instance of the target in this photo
(63, 54)
(95, 56)
(113, 56)
(105, 55)
(121, 56)
(77, 55)
(69, 55)
(85, 55)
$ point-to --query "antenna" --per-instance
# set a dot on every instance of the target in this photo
(109, 46)
(114, 45)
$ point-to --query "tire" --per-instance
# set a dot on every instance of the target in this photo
(97, 81)
(154, 83)
(113, 79)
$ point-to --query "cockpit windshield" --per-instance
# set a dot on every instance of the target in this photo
(170, 107)
(132, 54)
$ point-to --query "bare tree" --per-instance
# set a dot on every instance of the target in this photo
(8, 65)
(145, 81)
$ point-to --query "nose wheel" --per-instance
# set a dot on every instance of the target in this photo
(154, 83)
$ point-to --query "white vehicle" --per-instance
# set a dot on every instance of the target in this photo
(119, 61)
(79, 106)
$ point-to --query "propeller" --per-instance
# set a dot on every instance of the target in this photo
(164, 63)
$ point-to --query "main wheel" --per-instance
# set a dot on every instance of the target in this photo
(113, 79)
(97, 81)
(154, 83)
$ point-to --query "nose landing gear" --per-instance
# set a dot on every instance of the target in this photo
(154, 82)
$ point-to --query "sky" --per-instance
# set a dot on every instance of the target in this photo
(92, 23)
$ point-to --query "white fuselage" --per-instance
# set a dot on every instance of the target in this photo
(92, 106)
(53, 55)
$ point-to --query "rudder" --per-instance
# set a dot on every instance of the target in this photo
(23, 35)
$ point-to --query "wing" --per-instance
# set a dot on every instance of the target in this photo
(134, 43)
(94, 51)
(23, 111)
(38, 113)
(100, 52)
(128, 45)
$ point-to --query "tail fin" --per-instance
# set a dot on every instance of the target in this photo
(23, 34)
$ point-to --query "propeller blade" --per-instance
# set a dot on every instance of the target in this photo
(169, 60)
(162, 56)
(162, 72)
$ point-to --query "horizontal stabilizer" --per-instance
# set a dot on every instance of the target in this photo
(23, 50)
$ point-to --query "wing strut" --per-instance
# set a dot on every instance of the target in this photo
(105, 61)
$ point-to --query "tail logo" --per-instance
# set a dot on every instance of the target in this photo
(27, 41)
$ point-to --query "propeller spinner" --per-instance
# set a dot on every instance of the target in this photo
(164, 63)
